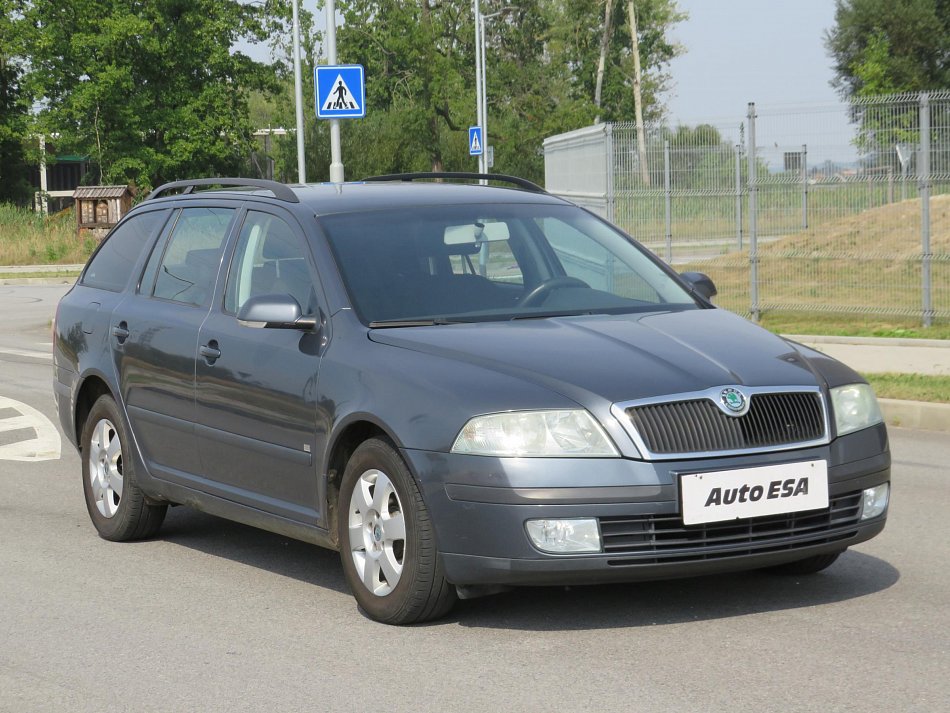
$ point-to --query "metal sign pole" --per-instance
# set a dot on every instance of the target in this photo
(336, 161)
(484, 95)
(479, 62)
(298, 96)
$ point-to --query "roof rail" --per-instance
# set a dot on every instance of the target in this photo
(280, 190)
(520, 182)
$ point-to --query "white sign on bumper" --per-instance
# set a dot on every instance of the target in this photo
(753, 492)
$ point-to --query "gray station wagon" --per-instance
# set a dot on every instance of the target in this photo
(459, 387)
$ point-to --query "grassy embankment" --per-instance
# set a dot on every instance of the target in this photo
(857, 275)
(27, 238)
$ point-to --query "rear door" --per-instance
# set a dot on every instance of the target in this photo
(257, 400)
(154, 333)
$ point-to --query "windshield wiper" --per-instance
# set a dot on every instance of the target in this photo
(393, 323)
(547, 315)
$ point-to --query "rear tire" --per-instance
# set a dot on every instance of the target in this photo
(809, 565)
(387, 542)
(117, 506)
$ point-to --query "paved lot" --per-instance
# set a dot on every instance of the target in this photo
(215, 616)
(874, 356)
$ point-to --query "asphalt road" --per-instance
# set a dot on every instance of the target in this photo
(214, 616)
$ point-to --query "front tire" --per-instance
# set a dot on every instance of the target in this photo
(387, 542)
(117, 506)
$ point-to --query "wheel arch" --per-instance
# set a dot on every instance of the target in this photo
(349, 435)
(92, 388)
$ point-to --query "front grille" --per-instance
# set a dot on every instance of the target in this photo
(656, 539)
(699, 426)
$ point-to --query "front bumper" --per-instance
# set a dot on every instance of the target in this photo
(479, 506)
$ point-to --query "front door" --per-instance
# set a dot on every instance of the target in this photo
(257, 388)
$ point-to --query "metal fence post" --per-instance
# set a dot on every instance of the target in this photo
(739, 197)
(753, 215)
(924, 189)
(668, 187)
(609, 151)
(804, 186)
(611, 197)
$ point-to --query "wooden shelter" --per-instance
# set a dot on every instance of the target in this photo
(101, 207)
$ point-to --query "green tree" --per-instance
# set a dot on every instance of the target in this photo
(530, 92)
(417, 54)
(541, 63)
(14, 106)
(150, 91)
(576, 37)
(884, 46)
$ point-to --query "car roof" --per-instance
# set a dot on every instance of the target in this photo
(332, 198)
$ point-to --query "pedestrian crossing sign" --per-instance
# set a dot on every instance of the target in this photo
(475, 141)
(341, 91)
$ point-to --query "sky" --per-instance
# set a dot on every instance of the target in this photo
(770, 52)
(737, 51)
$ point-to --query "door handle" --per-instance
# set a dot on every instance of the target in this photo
(210, 351)
(121, 332)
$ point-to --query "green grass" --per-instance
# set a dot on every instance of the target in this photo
(61, 275)
(27, 238)
(911, 387)
(852, 326)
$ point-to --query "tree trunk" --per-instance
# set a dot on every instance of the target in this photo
(637, 98)
(604, 47)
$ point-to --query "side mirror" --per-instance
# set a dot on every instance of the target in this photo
(274, 312)
(701, 283)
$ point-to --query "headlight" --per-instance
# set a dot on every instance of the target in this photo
(855, 407)
(552, 434)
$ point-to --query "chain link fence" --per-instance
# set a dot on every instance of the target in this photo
(818, 208)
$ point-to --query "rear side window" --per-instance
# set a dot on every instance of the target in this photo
(111, 266)
(186, 270)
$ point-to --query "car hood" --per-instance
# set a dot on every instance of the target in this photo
(619, 357)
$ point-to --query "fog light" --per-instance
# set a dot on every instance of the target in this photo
(874, 502)
(563, 536)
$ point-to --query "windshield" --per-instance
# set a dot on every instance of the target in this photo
(466, 263)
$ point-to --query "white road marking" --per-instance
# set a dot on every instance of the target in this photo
(26, 353)
(45, 446)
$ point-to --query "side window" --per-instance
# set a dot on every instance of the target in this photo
(500, 263)
(269, 259)
(583, 257)
(462, 265)
(111, 267)
(186, 270)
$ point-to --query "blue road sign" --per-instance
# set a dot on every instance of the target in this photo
(341, 91)
(475, 147)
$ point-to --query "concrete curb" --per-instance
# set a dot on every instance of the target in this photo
(867, 341)
(53, 274)
(13, 269)
(916, 414)
(64, 280)
(871, 355)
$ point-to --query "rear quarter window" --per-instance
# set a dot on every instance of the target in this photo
(112, 264)
(186, 270)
